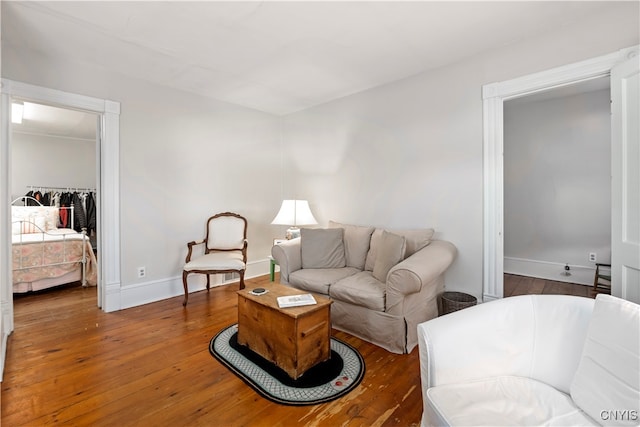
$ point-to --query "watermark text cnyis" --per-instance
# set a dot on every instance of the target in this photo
(619, 415)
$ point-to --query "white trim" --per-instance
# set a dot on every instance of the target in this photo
(625, 194)
(109, 235)
(580, 274)
(6, 290)
(493, 96)
(157, 290)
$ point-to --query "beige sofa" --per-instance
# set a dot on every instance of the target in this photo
(382, 283)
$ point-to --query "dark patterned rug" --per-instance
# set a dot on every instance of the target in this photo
(324, 382)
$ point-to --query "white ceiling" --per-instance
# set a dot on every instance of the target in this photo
(39, 119)
(278, 57)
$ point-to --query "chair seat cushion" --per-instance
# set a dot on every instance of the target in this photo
(217, 261)
(319, 279)
(504, 401)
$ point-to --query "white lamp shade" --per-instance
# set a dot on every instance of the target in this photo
(294, 212)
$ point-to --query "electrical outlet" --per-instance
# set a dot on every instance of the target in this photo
(593, 257)
(142, 271)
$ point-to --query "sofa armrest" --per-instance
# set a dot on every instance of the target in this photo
(417, 271)
(533, 336)
(287, 255)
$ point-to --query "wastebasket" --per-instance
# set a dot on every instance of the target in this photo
(454, 301)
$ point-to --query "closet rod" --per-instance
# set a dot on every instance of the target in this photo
(48, 188)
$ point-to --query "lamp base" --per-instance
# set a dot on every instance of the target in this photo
(292, 233)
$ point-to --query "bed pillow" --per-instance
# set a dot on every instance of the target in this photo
(391, 252)
(52, 217)
(40, 218)
(322, 247)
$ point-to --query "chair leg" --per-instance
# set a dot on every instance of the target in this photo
(208, 278)
(241, 279)
(186, 290)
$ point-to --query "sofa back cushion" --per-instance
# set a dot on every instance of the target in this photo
(414, 241)
(390, 253)
(607, 382)
(356, 243)
(322, 247)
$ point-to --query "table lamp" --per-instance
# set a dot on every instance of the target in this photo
(294, 213)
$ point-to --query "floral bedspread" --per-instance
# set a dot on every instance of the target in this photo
(33, 261)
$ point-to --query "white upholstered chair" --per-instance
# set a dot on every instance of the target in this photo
(225, 249)
(550, 360)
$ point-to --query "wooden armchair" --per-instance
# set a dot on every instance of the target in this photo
(225, 249)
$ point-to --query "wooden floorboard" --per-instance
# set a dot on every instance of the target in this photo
(69, 363)
(523, 285)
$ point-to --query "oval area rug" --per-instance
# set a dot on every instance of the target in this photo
(324, 382)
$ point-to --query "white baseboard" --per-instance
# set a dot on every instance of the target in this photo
(580, 274)
(147, 292)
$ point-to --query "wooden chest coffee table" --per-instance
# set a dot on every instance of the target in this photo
(295, 338)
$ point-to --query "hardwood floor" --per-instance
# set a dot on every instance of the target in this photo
(70, 363)
(522, 285)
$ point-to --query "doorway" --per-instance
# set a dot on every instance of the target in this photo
(108, 183)
(557, 182)
(54, 160)
(494, 95)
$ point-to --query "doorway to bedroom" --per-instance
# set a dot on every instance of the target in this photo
(54, 163)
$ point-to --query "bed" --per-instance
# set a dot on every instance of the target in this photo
(43, 255)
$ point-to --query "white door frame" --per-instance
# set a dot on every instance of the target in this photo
(625, 178)
(493, 96)
(108, 185)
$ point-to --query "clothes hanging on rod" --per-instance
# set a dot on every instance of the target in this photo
(82, 200)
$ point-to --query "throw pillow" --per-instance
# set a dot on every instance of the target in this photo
(608, 377)
(391, 252)
(322, 247)
(415, 239)
(356, 243)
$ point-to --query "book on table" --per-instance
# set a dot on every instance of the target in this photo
(296, 300)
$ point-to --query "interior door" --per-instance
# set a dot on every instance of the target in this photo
(625, 177)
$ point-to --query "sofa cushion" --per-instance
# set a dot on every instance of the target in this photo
(361, 289)
(322, 247)
(356, 243)
(319, 279)
(390, 253)
(505, 400)
(415, 240)
(608, 375)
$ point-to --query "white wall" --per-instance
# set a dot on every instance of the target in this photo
(409, 154)
(51, 161)
(557, 185)
(182, 158)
